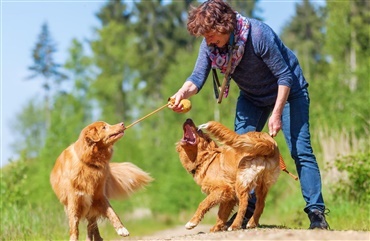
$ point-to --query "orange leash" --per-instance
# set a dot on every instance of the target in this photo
(283, 168)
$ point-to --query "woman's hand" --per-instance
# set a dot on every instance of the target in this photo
(274, 124)
(275, 118)
(186, 91)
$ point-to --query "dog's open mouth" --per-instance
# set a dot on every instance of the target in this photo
(189, 135)
(116, 135)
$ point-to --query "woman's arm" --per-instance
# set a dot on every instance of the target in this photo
(275, 118)
(196, 80)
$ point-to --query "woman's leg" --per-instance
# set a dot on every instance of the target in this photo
(295, 126)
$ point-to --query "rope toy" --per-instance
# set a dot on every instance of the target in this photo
(186, 106)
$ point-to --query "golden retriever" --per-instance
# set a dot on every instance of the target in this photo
(84, 180)
(227, 173)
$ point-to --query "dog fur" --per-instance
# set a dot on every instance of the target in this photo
(227, 173)
(84, 180)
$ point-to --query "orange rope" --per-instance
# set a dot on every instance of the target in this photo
(283, 168)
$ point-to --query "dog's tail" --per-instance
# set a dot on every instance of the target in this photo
(254, 143)
(124, 179)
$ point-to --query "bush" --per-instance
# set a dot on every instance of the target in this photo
(355, 182)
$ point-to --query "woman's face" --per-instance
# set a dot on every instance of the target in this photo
(216, 38)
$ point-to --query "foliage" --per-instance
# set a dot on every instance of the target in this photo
(162, 32)
(29, 129)
(14, 178)
(246, 8)
(304, 34)
(45, 67)
(354, 185)
(44, 64)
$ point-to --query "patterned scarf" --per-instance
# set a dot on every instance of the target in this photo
(220, 57)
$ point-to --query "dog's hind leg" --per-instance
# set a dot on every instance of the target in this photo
(93, 230)
(242, 193)
(261, 193)
(223, 214)
(265, 181)
(210, 201)
(247, 179)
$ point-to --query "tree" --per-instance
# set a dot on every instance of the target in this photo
(134, 50)
(345, 91)
(304, 34)
(348, 40)
(113, 84)
(246, 8)
(161, 31)
(80, 67)
(29, 130)
(114, 11)
(45, 66)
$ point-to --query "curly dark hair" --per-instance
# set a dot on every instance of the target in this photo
(212, 15)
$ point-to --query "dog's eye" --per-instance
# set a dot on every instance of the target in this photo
(104, 127)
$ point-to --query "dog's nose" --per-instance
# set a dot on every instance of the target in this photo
(122, 124)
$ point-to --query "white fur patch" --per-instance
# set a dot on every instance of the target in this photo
(123, 232)
(248, 177)
(230, 229)
(79, 193)
(203, 126)
(190, 225)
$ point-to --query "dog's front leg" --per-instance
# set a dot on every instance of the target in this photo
(74, 212)
(210, 201)
(73, 220)
(93, 230)
(116, 222)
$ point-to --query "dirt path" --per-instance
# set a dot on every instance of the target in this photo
(202, 233)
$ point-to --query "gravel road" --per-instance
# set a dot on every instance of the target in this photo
(202, 233)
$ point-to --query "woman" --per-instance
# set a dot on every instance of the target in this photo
(272, 87)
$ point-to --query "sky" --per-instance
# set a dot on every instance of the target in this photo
(21, 22)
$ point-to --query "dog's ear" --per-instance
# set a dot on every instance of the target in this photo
(92, 136)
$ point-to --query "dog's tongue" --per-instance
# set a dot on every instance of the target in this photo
(189, 136)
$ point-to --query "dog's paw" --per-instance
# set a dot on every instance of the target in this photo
(190, 225)
(203, 126)
(218, 228)
(251, 225)
(123, 232)
(233, 228)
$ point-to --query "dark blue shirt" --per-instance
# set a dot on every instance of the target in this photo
(266, 63)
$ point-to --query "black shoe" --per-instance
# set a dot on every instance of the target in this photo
(246, 218)
(248, 214)
(317, 219)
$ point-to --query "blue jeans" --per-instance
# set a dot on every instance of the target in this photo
(295, 126)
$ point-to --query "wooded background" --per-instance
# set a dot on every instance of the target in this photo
(139, 57)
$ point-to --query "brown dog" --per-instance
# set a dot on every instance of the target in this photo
(84, 180)
(229, 172)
